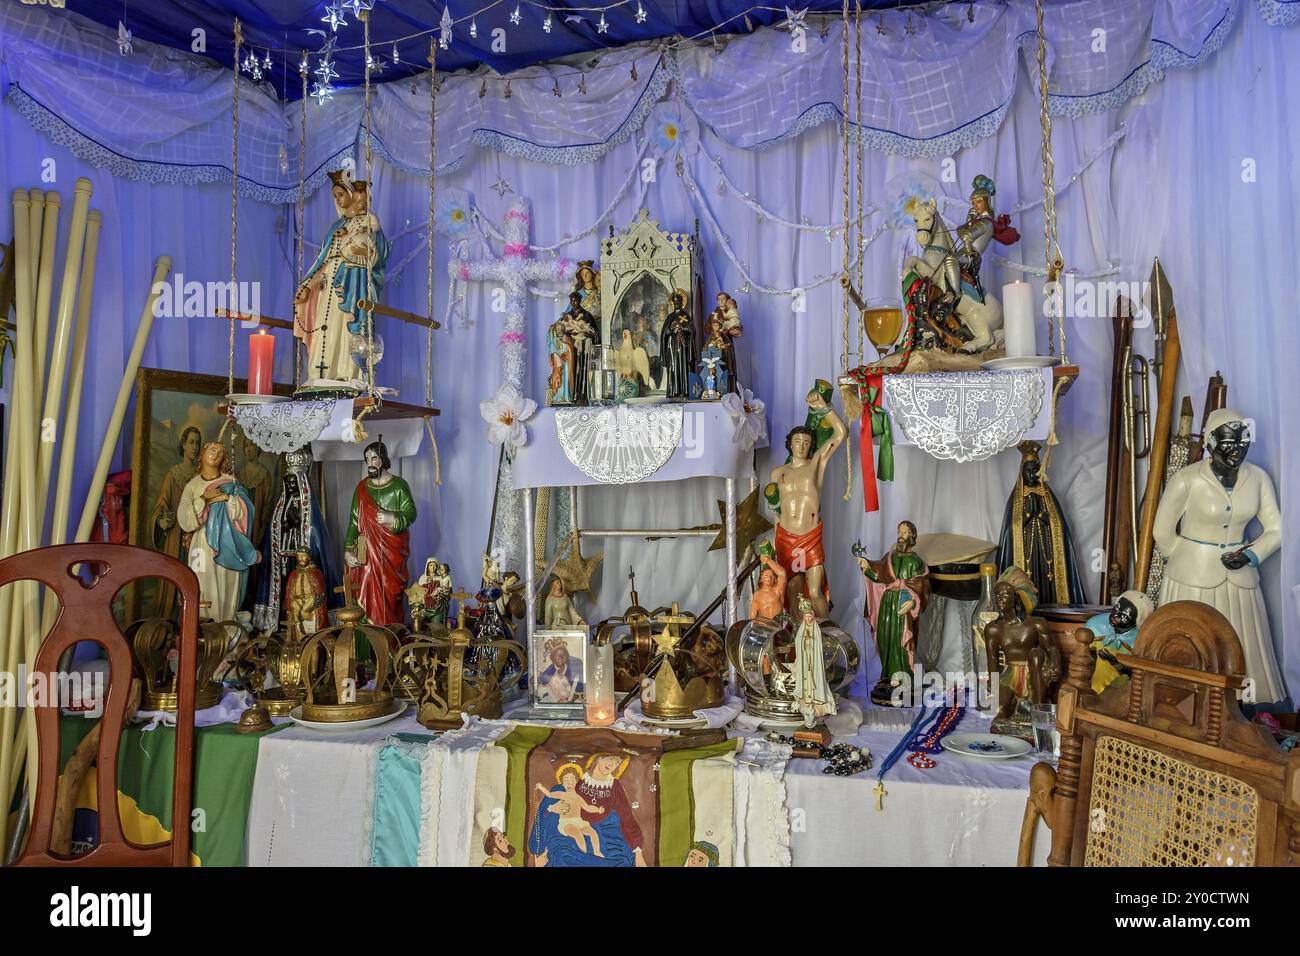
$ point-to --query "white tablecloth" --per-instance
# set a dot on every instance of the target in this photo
(965, 811)
(313, 792)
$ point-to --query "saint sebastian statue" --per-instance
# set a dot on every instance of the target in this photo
(217, 512)
(796, 490)
(378, 540)
(349, 268)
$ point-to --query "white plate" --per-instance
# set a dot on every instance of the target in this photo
(647, 400)
(1028, 361)
(987, 746)
(240, 398)
(398, 706)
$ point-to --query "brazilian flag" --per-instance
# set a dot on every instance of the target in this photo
(224, 764)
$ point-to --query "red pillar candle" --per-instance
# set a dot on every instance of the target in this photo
(261, 362)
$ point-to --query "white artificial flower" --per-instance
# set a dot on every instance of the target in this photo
(505, 414)
(748, 414)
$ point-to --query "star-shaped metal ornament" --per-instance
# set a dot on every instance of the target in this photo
(750, 523)
(334, 17)
(575, 571)
(502, 186)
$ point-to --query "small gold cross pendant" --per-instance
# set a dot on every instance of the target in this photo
(880, 795)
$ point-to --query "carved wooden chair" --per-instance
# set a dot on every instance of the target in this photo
(1166, 771)
(85, 614)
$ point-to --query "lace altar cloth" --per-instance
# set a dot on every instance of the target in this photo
(623, 444)
(969, 416)
(284, 426)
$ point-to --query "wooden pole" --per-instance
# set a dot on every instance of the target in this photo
(1122, 326)
(36, 217)
(23, 445)
(44, 291)
(114, 428)
(61, 343)
(1159, 454)
(76, 378)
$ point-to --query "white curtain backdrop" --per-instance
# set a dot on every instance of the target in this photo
(1201, 173)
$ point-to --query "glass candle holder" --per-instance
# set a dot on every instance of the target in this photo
(599, 685)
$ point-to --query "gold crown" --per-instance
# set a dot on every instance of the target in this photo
(455, 675)
(153, 646)
(278, 654)
(333, 688)
(686, 675)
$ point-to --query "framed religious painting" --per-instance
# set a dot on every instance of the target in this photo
(176, 414)
(555, 663)
(647, 276)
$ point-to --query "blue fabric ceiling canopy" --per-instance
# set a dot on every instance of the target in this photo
(286, 27)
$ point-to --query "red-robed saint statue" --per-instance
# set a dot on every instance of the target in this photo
(378, 540)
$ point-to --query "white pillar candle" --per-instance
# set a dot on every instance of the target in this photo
(1018, 319)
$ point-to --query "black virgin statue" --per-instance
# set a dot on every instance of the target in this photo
(1036, 537)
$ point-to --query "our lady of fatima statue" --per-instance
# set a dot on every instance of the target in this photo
(350, 268)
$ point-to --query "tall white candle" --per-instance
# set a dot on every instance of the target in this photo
(1018, 319)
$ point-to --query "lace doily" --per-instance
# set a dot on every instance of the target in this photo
(622, 444)
(284, 426)
(965, 416)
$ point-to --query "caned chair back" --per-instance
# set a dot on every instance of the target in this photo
(1166, 771)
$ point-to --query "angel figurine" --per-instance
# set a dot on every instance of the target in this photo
(633, 367)
(349, 268)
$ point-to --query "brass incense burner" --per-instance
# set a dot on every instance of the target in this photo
(449, 687)
(153, 647)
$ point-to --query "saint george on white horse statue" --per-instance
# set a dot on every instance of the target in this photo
(942, 285)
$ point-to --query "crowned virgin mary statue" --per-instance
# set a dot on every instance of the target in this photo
(349, 268)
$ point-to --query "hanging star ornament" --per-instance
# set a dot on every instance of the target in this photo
(322, 93)
(640, 12)
(326, 71)
(358, 7)
(515, 17)
(574, 571)
(603, 25)
(750, 523)
(123, 39)
(334, 17)
(502, 186)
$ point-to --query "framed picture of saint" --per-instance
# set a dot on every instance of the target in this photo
(176, 414)
(556, 664)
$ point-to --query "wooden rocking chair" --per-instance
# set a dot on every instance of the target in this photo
(1166, 771)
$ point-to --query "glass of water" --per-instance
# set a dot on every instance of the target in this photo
(1046, 736)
